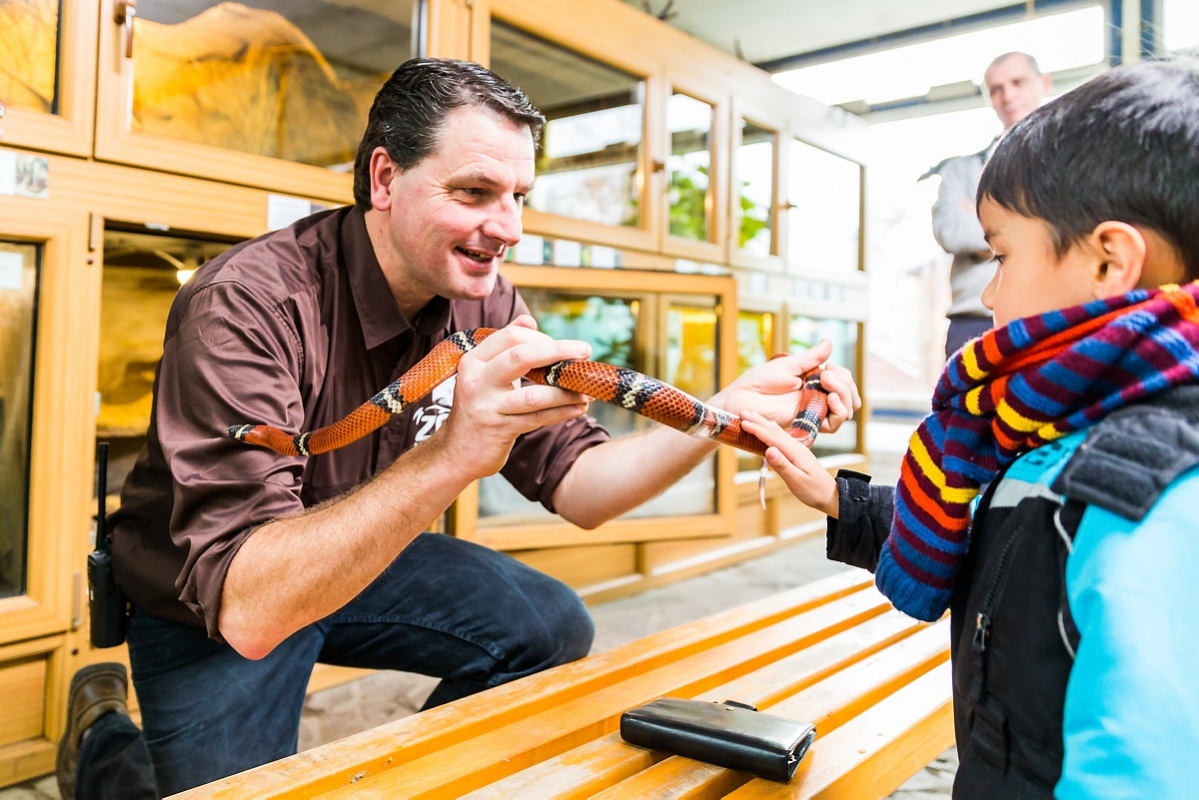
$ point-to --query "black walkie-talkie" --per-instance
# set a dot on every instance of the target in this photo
(106, 601)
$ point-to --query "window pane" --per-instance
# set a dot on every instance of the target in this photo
(142, 274)
(614, 327)
(29, 54)
(755, 344)
(1180, 25)
(609, 325)
(692, 357)
(824, 217)
(755, 338)
(691, 365)
(755, 195)
(1059, 41)
(805, 332)
(591, 146)
(19, 268)
(690, 202)
(287, 80)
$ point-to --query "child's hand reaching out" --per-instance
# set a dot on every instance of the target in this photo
(799, 468)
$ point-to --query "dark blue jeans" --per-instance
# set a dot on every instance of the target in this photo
(446, 607)
(114, 762)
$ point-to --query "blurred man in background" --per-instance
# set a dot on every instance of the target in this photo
(1016, 87)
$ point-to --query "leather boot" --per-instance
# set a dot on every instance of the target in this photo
(96, 690)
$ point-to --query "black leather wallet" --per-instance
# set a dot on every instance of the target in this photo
(728, 734)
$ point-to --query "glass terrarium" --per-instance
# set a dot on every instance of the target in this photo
(804, 332)
(142, 275)
(19, 272)
(621, 331)
(287, 80)
(824, 214)
(753, 195)
(689, 196)
(587, 165)
(29, 36)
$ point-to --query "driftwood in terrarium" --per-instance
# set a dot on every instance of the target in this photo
(249, 80)
(28, 53)
(131, 344)
(16, 375)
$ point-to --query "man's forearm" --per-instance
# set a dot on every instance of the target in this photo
(609, 479)
(292, 572)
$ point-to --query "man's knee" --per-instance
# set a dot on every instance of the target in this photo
(554, 628)
(568, 626)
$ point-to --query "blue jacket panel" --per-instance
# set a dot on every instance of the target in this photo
(1131, 722)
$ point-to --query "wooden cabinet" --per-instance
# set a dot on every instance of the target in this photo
(679, 195)
(255, 93)
(46, 354)
(47, 74)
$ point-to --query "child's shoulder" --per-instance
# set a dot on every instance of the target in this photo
(1131, 457)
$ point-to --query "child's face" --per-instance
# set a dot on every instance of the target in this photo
(1030, 279)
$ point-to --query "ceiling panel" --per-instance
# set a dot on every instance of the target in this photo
(765, 30)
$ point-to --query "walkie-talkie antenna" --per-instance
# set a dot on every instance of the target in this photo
(101, 496)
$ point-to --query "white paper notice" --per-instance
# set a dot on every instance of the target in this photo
(567, 253)
(11, 267)
(603, 257)
(529, 250)
(8, 172)
(282, 210)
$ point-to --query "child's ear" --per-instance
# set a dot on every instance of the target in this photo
(1120, 250)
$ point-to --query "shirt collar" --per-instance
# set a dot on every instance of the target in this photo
(378, 314)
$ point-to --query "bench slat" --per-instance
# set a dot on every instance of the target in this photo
(488, 757)
(774, 682)
(829, 704)
(875, 683)
(677, 779)
(610, 760)
(350, 760)
(577, 773)
(876, 751)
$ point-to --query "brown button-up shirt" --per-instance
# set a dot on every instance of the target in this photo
(293, 329)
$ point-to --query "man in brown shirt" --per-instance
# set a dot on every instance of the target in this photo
(245, 567)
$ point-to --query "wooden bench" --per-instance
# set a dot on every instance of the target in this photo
(834, 652)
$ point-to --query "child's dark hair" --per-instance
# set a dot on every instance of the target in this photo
(1124, 146)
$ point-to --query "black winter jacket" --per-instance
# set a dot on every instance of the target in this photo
(1012, 637)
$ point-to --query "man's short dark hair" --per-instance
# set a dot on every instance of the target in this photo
(1124, 146)
(407, 115)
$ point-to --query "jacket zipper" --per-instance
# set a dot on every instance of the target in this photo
(982, 622)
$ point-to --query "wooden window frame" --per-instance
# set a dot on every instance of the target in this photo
(463, 516)
(741, 112)
(60, 468)
(543, 19)
(718, 219)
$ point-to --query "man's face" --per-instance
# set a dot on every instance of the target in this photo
(1015, 89)
(455, 214)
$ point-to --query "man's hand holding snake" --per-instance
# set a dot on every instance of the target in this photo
(773, 389)
(491, 405)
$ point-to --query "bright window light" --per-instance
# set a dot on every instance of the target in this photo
(1057, 41)
(1180, 21)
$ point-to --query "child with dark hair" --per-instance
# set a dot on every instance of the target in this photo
(1048, 499)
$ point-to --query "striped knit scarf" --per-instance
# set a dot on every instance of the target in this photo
(1010, 391)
